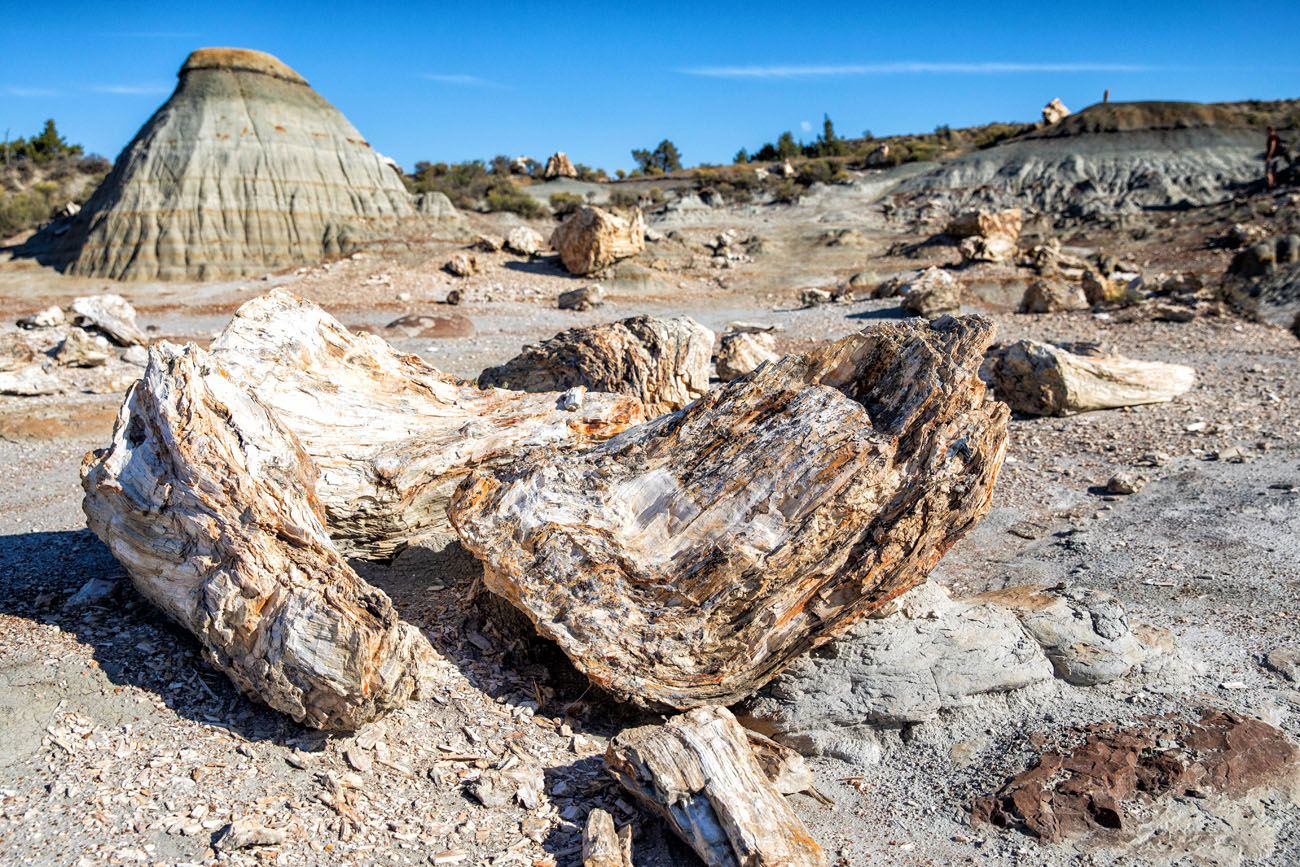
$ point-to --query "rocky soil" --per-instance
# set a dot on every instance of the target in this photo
(118, 745)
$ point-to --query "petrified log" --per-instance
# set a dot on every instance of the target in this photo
(662, 362)
(207, 501)
(111, 314)
(602, 846)
(697, 771)
(1041, 379)
(392, 436)
(688, 560)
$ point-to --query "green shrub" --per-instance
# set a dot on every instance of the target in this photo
(507, 197)
(622, 199)
(564, 204)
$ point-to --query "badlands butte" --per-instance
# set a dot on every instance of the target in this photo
(926, 500)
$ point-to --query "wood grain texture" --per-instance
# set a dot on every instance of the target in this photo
(697, 771)
(207, 501)
(391, 435)
(662, 362)
(688, 560)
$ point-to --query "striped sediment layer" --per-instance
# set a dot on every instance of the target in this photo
(245, 169)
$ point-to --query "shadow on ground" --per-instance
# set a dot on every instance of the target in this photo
(436, 587)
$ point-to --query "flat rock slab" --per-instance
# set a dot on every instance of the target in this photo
(1095, 787)
(690, 559)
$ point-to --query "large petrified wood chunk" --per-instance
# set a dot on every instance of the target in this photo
(688, 560)
(207, 501)
(391, 435)
(1041, 379)
(663, 362)
(592, 239)
(698, 772)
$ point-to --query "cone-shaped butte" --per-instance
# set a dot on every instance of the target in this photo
(244, 169)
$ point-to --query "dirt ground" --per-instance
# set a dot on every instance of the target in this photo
(118, 744)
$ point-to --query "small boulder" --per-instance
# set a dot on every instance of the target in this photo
(1105, 291)
(586, 298)
(1052, 296)
(1054, 112)
(50, 317)
(814, 298)
(592, 239)
(1286, 662)
(461, 265)
(987, 224)
(488, 243)
(1125, 483)
(246, 833)
(523, 241)
(82, 349)
(742, 352)
(998, 251)
(112, 315)
(932, 294)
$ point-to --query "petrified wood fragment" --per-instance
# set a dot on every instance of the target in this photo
(392, 436)
(1041, 379)
(207, 501)
(663, 362)
(688, 560)
(697, 771)
(602, 846)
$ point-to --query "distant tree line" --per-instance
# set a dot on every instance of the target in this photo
(43, 148)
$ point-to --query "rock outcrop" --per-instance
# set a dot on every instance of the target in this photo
(934, 655)
(689, 560)
(1041, 379)
(592, 239)
(245, 169)
(664, 363)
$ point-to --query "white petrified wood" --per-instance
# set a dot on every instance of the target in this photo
(698, 772)
(207, 501)
(688, 560)
(1042, 379)
(391, 435)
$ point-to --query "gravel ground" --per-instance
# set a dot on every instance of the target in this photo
(119, 745)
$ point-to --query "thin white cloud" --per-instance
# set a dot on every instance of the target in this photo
(131, 89)
(19, 90)
(154, 34)
(462, 80)
(805, 125)
(903, 68)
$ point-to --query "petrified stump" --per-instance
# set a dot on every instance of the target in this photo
(662, 362)
(392, 436)
(688, 560)
(207, 501)
(698, 772)
(1041, 379)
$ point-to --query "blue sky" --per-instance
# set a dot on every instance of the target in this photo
(453, 81)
